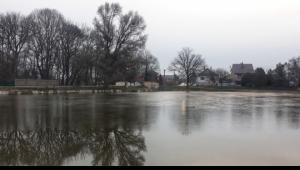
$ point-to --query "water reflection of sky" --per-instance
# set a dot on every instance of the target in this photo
(150, 129)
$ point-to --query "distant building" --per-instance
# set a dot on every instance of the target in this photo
(170, 80)
(151, 85)
(140, 80)
(207, 78)
(128, 84)
(239, 70)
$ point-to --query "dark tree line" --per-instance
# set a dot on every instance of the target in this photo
(45, 45)
(283, 76)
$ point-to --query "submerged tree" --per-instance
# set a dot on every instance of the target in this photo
(187, 64)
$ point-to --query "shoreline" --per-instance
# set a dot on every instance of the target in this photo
(65, 90)
(112, 90)
(237, 89)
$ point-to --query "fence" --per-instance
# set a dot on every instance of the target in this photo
(36, 83)
(7, 83)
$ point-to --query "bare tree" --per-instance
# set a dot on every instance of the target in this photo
(132, 68)
(223, 75)
(187, 64)
(14, 34)
(150, 64)
(118, 36)
(44, 45)
(71, 38)
(83, 65)
(2, 51)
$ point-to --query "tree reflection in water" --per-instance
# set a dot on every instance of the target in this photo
(57, 130)
(53, 147)
(41, 147)
(121, 147)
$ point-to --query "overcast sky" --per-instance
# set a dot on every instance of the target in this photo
(262, 32)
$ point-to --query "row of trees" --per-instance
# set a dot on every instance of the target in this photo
(45, 45)
(284, 75)
(188, 64)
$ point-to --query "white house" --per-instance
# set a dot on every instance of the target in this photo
(207, 78)
(127, 84)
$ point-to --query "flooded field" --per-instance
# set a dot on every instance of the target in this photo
(163, 128)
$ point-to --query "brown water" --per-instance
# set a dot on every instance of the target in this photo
(151, 129)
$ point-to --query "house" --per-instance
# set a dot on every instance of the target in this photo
(239, 70)
(207, 78)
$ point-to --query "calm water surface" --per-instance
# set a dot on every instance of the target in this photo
(151, 129)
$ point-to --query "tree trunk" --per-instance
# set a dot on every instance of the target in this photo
(187, 83)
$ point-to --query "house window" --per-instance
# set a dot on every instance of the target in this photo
(202, 78)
